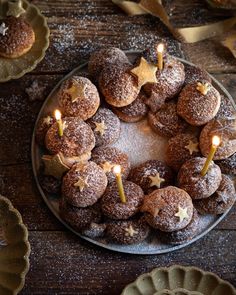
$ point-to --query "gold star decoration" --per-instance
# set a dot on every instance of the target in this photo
(107, 166)
(192, 147)
(54, 165)
(182, 214)
(76, 91)
(3, 29)
(130, 232)
(145, 72)
(47, 120)
(203, 88)
(156, 180)
(100, 127)
(81, 183)
(15, 8)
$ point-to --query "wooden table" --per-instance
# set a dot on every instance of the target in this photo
(62, 263)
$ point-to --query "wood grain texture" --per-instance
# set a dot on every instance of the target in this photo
(63, 264)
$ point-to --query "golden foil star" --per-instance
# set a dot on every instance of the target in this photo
(15, 8)
(145, 73)
(76, 91)
(107, 167)
(3, 29)
(156, 180)
(81, 183)
(182, 214)
(130, 232)
(203, 88)
(192, 147)
(100, 127)
(47, 120)
(54, 165)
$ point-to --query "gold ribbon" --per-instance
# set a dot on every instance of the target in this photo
(188, 34)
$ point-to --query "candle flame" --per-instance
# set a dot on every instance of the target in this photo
(57, 115)
(160, 48)
(117, 169)
(215, 141)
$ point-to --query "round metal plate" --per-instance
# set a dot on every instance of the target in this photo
(151, 245)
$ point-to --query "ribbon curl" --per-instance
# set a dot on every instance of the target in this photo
(186, 35)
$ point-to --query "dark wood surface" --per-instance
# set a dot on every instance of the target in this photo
(61, 263)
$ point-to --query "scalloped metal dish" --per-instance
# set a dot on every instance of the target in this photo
(150, 246)
(16, 68)
(190, 278)
(14, 249)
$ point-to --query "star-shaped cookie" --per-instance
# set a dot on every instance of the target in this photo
(54, 165)
(192, 147)
(100, 127)
(156, 180)
(3, 29)
(130, 231)
(145, 72)
(76, 91)
(182, 214)
(15, 8)
(203, 88)
(107, 167)
(82, 183)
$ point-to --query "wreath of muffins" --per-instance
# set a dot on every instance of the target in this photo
(101, 193)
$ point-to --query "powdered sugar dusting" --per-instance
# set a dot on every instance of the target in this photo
(141, 143)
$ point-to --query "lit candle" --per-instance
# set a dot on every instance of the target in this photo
(160, 49)
(59, 122)
(117, 172)
(214, 146)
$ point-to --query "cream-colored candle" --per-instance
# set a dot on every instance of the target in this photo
(214, 146)
(59, 122)
(160, 50)
(117, 172)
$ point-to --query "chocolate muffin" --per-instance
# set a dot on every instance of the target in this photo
(112, 206)
(220, 201)
(226, 130)
(118, 85)
(133, 112)
(127, 232)
(50, 184)
(106, 127)
(169, 82)
(103, 58)
(152, 175)
(184, 235)
(17, 38)
(108, 157)
(166, 122)
(79, 218)
(77, 139)
(195, 74)
(84, 184)
(42, 128)
(168, 209)
(198, 103)
(228, 165)
(78, 97)
(181, 148)
(198, 186)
